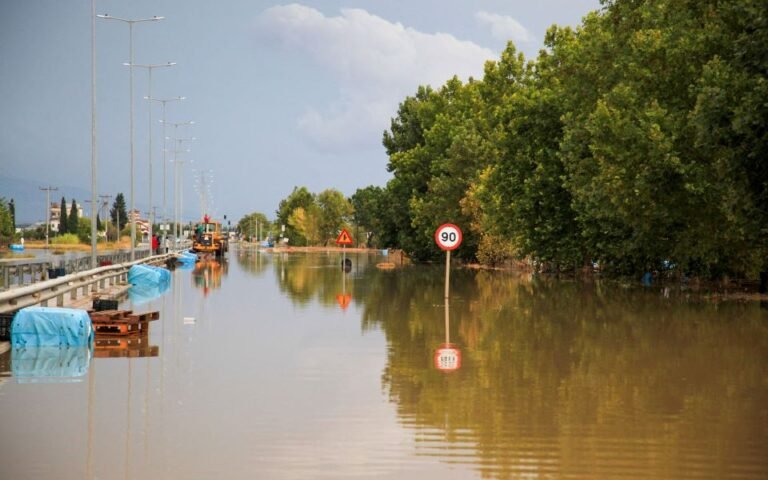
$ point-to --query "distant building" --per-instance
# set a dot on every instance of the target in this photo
(56, 214)
(142, 224)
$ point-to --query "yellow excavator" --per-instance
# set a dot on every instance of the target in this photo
(209, 239)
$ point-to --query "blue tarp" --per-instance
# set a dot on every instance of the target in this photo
(46, 327)
(187, 257)
(147, 275)
(53, 363)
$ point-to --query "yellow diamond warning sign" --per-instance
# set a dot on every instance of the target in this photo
(344, 238)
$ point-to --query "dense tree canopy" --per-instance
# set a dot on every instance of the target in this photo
(636, 141)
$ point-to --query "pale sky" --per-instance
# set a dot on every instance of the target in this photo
(283, 95)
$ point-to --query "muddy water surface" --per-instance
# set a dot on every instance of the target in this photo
(278, 366)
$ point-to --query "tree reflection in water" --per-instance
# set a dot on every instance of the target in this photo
(558, 378)
(574, 378)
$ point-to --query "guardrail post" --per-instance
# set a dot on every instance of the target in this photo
(73, 294)
(6, 277)
(60, 300)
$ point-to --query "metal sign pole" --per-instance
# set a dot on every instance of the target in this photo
(447, 272)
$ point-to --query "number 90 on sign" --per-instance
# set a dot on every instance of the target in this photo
(448, 236)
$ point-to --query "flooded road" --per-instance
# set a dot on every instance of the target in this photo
(279, 367)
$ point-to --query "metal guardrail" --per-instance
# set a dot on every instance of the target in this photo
(88, 281)
(18, 274)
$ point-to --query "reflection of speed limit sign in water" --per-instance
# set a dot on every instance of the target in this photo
(447, 358)
(448, 236)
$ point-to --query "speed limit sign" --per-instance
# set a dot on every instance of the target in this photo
(448, 236)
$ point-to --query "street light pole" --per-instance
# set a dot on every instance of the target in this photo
(93, 132)
(130, 23)
(180, 164)
(149, 68)
(163, 101)
(178, 173)
(176, 205)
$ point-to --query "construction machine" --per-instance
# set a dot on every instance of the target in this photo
(209, 239)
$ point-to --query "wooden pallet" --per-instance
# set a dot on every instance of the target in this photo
(122, 322)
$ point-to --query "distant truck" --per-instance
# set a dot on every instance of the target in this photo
(209, 239)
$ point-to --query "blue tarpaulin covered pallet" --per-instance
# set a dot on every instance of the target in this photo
(51, 327)
(147, 275)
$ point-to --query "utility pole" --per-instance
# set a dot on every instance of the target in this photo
(106, 199)
(48, 191)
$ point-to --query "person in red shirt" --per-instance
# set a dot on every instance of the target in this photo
(154, 244)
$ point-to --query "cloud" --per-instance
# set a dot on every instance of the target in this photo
(375, 62)
(504, 27)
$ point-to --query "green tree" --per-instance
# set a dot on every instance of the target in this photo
(300, 197)
(248, 225)
(408, 162)
(438, 145)
(335, 212)
(521, 196)
(63, 218)
(459, 145)
(84, 230)
(118, 211)
(305, 224)
(99, 225)
(12, 211)
(654, 134)
(6, 223)
(73, 219)
(373, 213)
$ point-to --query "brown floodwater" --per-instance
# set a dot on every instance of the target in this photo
(279, 366)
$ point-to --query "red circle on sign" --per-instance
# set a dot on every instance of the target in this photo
(448, 236)
(447, 358)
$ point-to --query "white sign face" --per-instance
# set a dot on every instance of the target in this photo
(448, 236)
(448, 359)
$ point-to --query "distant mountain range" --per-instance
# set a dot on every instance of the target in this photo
(30, 200)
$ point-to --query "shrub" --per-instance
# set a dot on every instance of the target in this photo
(494, 250)
(66, 239)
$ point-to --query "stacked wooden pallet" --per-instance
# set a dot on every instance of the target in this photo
(121, 322)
